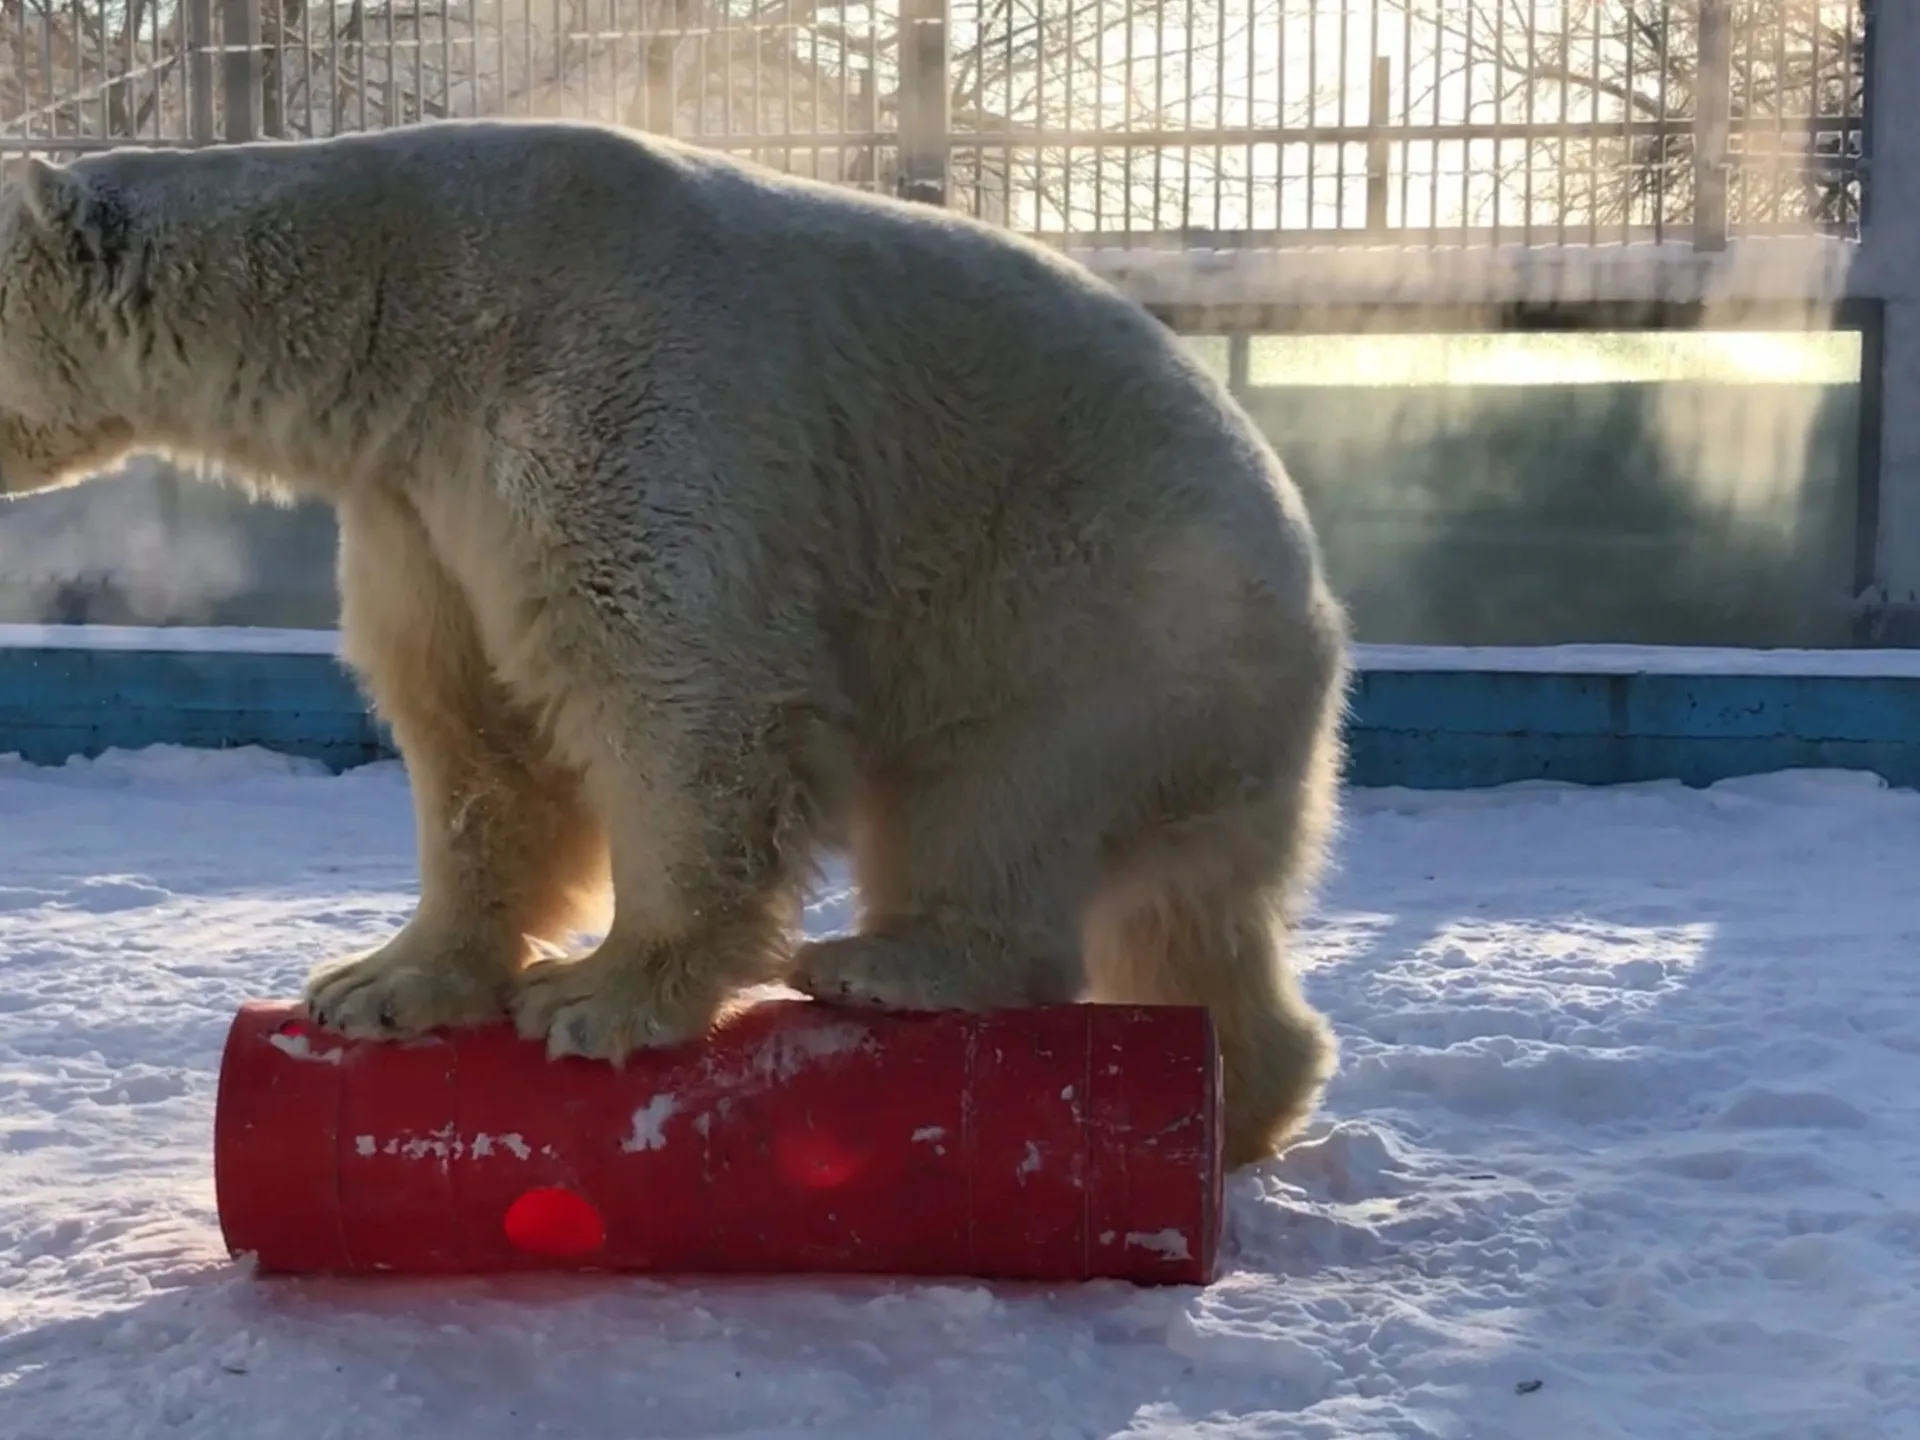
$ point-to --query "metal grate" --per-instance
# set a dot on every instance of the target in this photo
(1218, 122)
(1425, 121)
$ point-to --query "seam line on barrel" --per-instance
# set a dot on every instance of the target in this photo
(1086, 1149)
(333, 1169)
(970, 1145)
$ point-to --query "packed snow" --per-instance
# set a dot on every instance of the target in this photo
(1626, 1142)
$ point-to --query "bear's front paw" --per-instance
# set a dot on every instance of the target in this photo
(604, 1006)
(883, 974)
(409, 986)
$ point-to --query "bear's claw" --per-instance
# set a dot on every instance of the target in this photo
(389, 994)
(597, 1008)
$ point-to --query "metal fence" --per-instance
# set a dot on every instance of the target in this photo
(1198, 122)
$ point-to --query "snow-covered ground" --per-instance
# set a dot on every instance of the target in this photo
(1626, 1143)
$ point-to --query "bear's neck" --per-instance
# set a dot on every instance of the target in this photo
(256, 378)
(231, 428)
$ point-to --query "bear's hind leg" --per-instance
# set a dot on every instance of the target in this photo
(1197, 909)
(1171, 933)
(508, 849)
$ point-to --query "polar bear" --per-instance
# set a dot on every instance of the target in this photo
(698, 522)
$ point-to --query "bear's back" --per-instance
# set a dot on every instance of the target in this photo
(592, 205)
(592, 227)
(876, 364)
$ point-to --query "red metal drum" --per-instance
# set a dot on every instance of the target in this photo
(1063, 1143)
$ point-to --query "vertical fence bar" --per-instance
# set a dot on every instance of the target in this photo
(1379, 149)
(1863, 162)
(273, 70)
(924, 101)
(657, 65)
(1239, 363)
(1712, 113)
(199, 21)
(240, 69)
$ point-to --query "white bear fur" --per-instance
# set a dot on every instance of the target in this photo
(698, 522)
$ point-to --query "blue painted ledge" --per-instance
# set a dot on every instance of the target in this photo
(1422, 718)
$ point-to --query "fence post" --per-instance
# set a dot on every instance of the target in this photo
(199, 19)
(1379, 153)
(659, 59)
(1712, 112)
(273, 68)
(924, 101)
(240, 69)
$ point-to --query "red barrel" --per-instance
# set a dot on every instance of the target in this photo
(1064, 1143)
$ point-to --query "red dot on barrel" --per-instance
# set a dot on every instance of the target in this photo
(554, 1222)
(816, 1161)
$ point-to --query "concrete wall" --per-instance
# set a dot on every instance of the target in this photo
(1668, 512)
(1426, 719)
